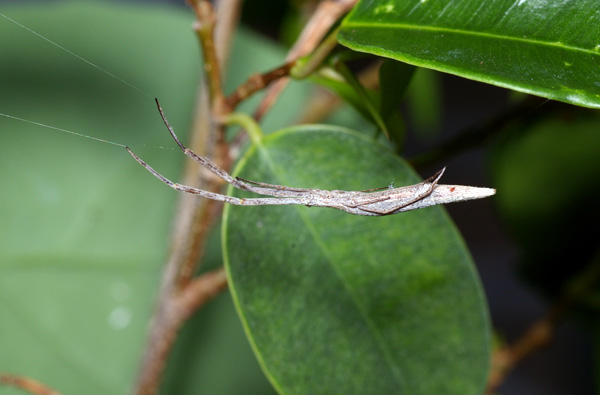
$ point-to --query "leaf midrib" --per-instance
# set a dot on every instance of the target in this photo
(325, 251)
(438, 29)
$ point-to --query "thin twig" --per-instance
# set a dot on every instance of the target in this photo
(171, 314)
(200, 290)
(205, 29)
(326, 14)
(195, 216)
(255, 83)
(308, 64)
(299, 69)
(540, 334)
(27, 384)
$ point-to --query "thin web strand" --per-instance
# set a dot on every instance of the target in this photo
(75, 55)
(62, 130)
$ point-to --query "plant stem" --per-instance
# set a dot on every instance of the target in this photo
(255, 83)
(306, 65)
(205, 27)
(325, 16)
(27, 384)
(180, 295)
(298, 69)
(246, 122)
(213, 137)
(541, 332)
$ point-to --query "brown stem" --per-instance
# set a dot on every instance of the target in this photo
(255, 83)
(180, 295)
(297, 69)
(205, 28)
(540, 333)
(171, 314)
(200, 290)
(326, 14)
(26, 384)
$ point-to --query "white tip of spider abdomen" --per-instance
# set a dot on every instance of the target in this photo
(443, 194)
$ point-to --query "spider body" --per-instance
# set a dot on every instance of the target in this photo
(377, 202)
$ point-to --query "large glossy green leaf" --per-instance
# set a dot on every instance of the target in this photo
(335, 303)
(84, 230)
(549, 48)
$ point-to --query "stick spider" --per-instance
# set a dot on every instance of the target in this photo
(376, 202)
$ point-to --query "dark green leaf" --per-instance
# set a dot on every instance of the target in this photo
(424, 102)
(394, 78)
(345, 84)
(368, 99)
(335, 303)
(393, 81)
(334, 81)
(549, 48)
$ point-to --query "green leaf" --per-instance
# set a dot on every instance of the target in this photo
(549, 48)
(84, 228)
(345, 84)
(394, 78)
(381, 108)
(334, 81)
(336, 303)
(424, 103)
(548, 187)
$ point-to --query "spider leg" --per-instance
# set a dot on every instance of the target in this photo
(184, 188)
(273, 186)
(207, 163)
(369, 200)
(217, 196)
(436, 177)
(245, 185)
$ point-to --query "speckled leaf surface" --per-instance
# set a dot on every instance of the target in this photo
(336, 303)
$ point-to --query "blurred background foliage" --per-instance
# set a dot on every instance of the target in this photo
(89, 255)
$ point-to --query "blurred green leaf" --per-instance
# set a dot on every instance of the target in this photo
(335, 303)
(548, 48)
(368, 100)
(381, 108)
(334, 81)
(84, 228)
(342, 82)
(424, 102)
(547, 179)
(394, 78)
